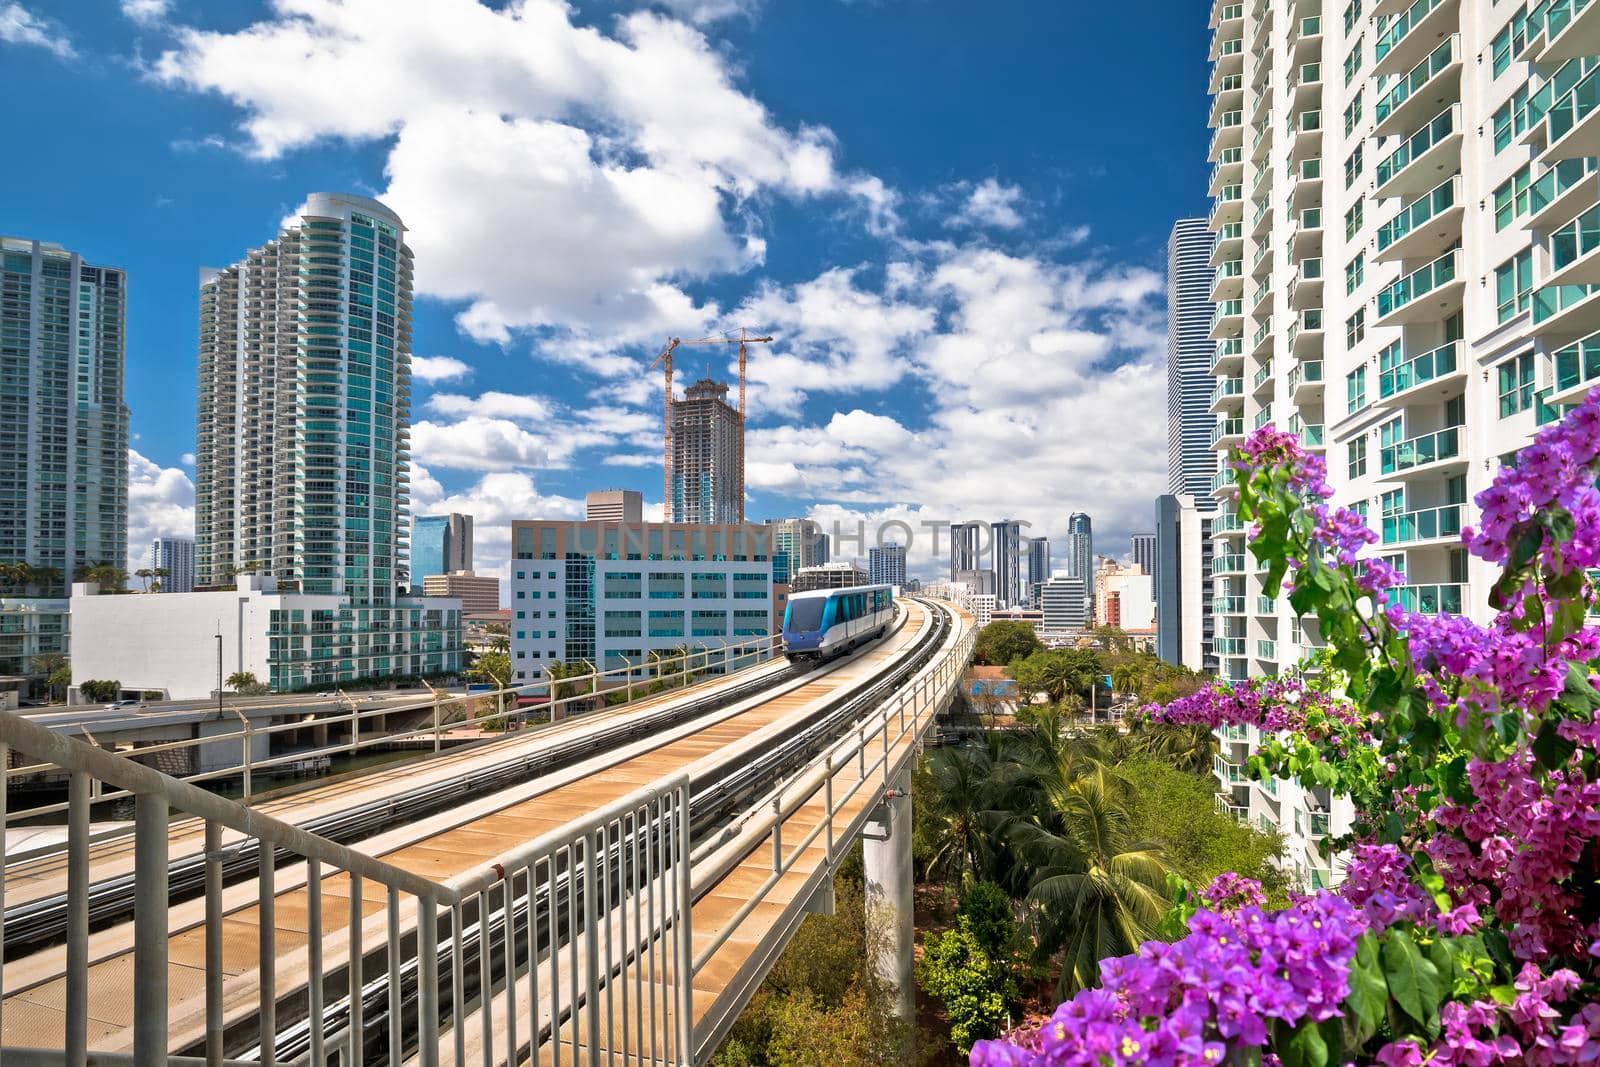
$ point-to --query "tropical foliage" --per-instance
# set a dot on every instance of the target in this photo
(101, 690)
(1001, 643)
(246, 684)
(1468, 928)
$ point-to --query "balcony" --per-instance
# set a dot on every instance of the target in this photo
(1424, 159)
(1305, 382)
(1429, 293)
(1261, 224)
(1306, 84)
(1307, 238)
(1438, 452)
(1229, 207)
(1565, 311)
(1305, 290)
(1228, 282)
(1228, 394)
(1440, 365)
(1561, 192)
(1418, 527)
(1573, 248)
(1534, 130)
(1261, 343)
(1229, 356)
(1227, 433)
(1267, 650)
(1230, 244)
(1577, 370)
(1310, 433)
(1227, 605)
(1266, 605)
(1239, 813)
(1262, 381)
(1226, 524)
(1227, 319)
(1232, 563)
(1445, 599)
(1229, 170)
(1224, 483)
(1412, 35)
(1263, 418)
(1261, 302)
(1228, 773)
(1228, 646)
(1307, 188)
(1305, 336)
(1428, 87)
(1571, 28)
(1572, 129)
(1424, 228)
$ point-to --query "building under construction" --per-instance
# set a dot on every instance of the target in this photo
(707, 471)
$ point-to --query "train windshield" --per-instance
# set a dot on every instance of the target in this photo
(805, 615)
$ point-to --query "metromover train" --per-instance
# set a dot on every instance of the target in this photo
(829, 622)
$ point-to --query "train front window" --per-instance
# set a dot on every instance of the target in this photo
(805, 615)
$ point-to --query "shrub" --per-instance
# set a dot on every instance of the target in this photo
(974, 986)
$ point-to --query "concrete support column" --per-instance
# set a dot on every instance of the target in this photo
(890, 904)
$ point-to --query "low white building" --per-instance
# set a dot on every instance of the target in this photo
(169, 643)
(1124, 597)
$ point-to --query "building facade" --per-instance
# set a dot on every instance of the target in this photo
(175, 555)
(1124, 597)
(886, 565)
(1065, 604)
(1191, 464)
(610, 594)
(1184, 618)
(440, 544)
(969, 544)
(1080, 554)
(837, 574)
(1006, 536)
(614, 505)
(796, 543)
(33, 626)
(1038, 567)
(63, 424)
(1144, 553)
(477, 592)
(707, 484)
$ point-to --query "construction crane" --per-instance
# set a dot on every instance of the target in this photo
(665, 360)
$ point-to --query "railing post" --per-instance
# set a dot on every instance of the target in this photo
(77, 1021)
(266, 909)
(777, 833)
(5, 764)
(428, 982)
(436, 720)
(150, 916)
(214, 975)
(591, 950)
(685, 967)
(827, 799)
(314, 969)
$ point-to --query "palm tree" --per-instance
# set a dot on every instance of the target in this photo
(1094, 892)
(955, 815)
(1186, 747)
(144, 574)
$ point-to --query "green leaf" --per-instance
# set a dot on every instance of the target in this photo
(1414, 979)
(1551, 749)
(1498, 946)
(1307, 1046)
(1369, 991)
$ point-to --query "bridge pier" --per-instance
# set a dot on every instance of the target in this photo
(886, 852)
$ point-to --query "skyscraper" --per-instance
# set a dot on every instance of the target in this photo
(1080, 553)
(63, 425)
(796, 543)
(305, 389)
(1038, 567)
(967, 548)
(1182, 579)
(1006, 536)
(1065, 603)
(440, 544)
(1190, 461)
(886, 564)
(1144, 552)
(707, 456)
(175, 555)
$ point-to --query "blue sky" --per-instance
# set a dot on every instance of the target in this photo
(952, 216)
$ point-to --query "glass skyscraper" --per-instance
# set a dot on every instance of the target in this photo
(1190, 460)
(440, 544)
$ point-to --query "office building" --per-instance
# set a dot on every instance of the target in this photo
(1144, 553)
(1182, 582)
(969, 544)
(477, 592)
(63, 425)
(440, 544)
(978, 581)
(1191, 464)
(886, 565)
(610, 594)
(1038, 567)
(302, 455)
(614, 505)
(1404, 214)
(175, 556)
(1080, 554)
(707, 477)
(1065, 604)
(835, 575)
(796, 543)
(1124, 597)
(1006, 537)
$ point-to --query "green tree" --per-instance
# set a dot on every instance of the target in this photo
(1001, 643)
(108, 576)
(1057, 673)
(987, 907)
(494, 668)
(57, 672)
(974, 986)
(101, 690)
(246, 684)
(958, 793)
(144, 574)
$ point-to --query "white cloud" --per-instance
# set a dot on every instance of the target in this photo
(18, 25)
(146, 12)
(991, 204)
(493, 502)
(478, 444)
(438, 368)
(555, 176)
(703, 11)
(187, 459)
(492, 405)
(160, 504)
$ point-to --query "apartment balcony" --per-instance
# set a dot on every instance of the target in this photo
(1228, 208)
(1426, 89)
(1228, 281)
(1261, 344)
(1310, 433)
(1229, 357)
(1267, 651)
(1561, 192)
(1266, 605)
(1575, 251)
(1440, 368)
(1305, 135)
(1261, 222)
(1263, 417)
(1228, 395)
(1431, 293)
(1577, 370)
(1413, 34)
(1437, 453)
(1572, 128)
(1424, 527)
(1227, 320)
(1229, 135)
(1306, 36)
(1261, 263)
(1535, 131)
(1441, 599)
(1227, 433)
(1228, 97)
(1564, 312)
(1307, 237)
(1233, 735)
(1424, 228)
(1424, 159)
(1230, 244)
(1239, 813)
(1227, 605)
(1306, 335)
(1305, 290)
(1307, 188)
(1233, 563)
(1570, 28)
(1305, 382)
(1261, 188)
(1229, 774)
(1261, 301)
(1228, 646)
(1224, 484)
(1222, 14)
(1228, 171)
(1226, 41)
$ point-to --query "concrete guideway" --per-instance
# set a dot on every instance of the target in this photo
(439, 848)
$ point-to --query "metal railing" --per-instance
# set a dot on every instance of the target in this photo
(570, 947)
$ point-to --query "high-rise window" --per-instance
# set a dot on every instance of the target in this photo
(1513, 285)
(1356, 456)
(1355, 384)
(1516, 384)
